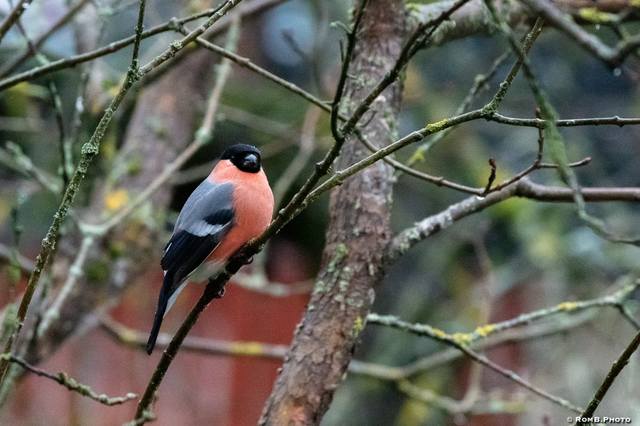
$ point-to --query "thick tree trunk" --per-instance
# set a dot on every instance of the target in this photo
(357, 237)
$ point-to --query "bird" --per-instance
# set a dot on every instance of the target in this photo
(233, 205)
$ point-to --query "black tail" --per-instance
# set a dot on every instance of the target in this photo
(163, 300)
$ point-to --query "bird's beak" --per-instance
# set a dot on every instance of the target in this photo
(251, 162)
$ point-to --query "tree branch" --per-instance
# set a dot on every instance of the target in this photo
(39, 41)
(524, 188)
(611, 56)
(13, 16)
(115, 46)
(70, 383)
(460, 344)
(616, 368)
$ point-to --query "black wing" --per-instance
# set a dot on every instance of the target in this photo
(205, 219)
(186, 250)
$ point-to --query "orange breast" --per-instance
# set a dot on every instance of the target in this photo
(253, 207)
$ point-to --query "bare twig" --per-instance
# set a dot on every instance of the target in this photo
(454, 341)
(305, 151)
(613, 56)
(136, 339)
(616, 368)
(572, 122)
(12, 156)
(524, 188)
(492, 176)
(170, 25)
(246, 63)
(259, 283)
(612, 299)
(39, 41)
(13, 17)
(480, 82)
(8, 255)
(452, 406)
(70, 383)
(523, 334)
(76, 270)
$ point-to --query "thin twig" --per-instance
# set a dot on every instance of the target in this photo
(41, 39)
(352, 37)
(480, 82)
(13, 157)
(624, 311)
(616, 368)
(451, 340)
(524, 188)
(115, 46)
(71, 383)
(9, 255)
(137, 340)
(481, 332)
(297, 164)
(246, 63)
(76, 270)
(452, 406)
(611, 56)
(12, 18)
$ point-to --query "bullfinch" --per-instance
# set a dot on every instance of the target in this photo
(230, 207)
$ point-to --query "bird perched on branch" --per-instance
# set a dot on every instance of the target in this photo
(233, 205)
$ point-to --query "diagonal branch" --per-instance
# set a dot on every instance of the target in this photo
(616, 368)
(451, 340)
(12, 18)
(524, 188)
(613, 56)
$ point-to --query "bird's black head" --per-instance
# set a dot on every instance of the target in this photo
(244, 157)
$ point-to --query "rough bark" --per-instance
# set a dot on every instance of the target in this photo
(358, 235)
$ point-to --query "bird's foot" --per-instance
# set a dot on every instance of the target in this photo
(219, 294)
(216, 288)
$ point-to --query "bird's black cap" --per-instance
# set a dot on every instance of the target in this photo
(245, 157)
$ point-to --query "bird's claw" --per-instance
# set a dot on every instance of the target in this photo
(219, 294)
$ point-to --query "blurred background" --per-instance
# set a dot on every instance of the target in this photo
(514, 257)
